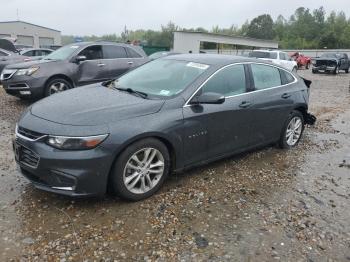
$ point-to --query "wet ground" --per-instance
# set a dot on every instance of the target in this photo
(265, 205)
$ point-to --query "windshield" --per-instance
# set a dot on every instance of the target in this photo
(162, 77)
(62, 53)
(260, 54)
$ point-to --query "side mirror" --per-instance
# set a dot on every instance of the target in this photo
(80, 58)
(208, 98)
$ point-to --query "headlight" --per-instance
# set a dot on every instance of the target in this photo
(27, 71)
(75, 143)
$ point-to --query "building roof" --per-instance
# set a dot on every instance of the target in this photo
(213, 59)
(19, 21)
(226, 35)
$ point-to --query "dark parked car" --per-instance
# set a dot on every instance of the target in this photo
(71, 66)
(331, 62)
(36, 53)
(168, 115)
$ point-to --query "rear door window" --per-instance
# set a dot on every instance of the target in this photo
(113, 52)
(265, 76)
(132, 53)
(229, 81)
(286, 77)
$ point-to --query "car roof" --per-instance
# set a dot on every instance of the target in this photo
(213, 59)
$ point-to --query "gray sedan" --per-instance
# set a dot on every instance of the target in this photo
(168, 115)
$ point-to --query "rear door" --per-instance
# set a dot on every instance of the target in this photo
(272, 101)
(135, 59)
(92, 69)
(116, 60)
(213, 130)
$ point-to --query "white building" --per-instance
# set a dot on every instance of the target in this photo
(190, 42)
(30, 34)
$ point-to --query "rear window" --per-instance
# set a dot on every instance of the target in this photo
(265, 76)
(286, 77)
(261, 54)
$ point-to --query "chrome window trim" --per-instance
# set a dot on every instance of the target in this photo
(255, 91)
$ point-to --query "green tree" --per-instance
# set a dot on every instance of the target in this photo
(261, 27)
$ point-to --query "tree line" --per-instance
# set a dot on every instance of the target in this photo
(305, 29)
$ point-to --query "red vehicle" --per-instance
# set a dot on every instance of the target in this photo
(301, 60)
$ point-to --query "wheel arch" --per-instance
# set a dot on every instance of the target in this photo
(170, 145)
(63, 76)
(302, 109)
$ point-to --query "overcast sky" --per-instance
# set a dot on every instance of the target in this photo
(86, 17)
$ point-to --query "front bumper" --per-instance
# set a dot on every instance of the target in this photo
(71, 173)
(25, 86)
(324, 68)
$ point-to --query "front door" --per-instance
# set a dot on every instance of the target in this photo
(213, 130)
(93, 69)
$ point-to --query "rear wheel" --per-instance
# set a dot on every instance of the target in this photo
(57, 85)
(141, 169)
(292, 130)
(347, 71)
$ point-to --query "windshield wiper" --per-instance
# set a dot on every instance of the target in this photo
(132, 91)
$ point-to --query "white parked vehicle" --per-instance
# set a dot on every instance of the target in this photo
(278, 57)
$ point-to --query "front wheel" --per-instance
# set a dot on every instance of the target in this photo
(57, 85)
(292, 130)
(141, 169)
(336, 70)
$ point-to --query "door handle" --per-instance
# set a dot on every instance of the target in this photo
(101, 64)
(245, 104)
(286, 95)
(130, 63)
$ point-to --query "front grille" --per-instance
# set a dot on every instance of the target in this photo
(7, 73)
(28, 157)
(28, 133)
(325, 63)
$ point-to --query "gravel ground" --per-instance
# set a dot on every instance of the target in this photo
(265, 205)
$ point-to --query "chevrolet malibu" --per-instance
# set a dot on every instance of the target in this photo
(168, 115)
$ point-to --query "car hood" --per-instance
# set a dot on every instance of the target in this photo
(31, 63)
(326, 59)
(93, 105)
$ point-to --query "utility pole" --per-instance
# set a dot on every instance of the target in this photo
(17, 15)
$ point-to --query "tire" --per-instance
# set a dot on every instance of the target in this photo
(347, 70)
(307, 66)
(60, 84)
(314, 71)
(284, 142)
(127, 171)
(336, 71)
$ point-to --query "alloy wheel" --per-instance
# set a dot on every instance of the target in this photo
(143, 170)
(57, 87)
(294, 130)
